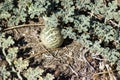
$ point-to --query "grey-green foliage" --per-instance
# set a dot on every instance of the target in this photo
(110, 55)
(109, 12)
(49, 77)
(4, 73)
(104, 32)
(99, 7)
(69, 33)
(5, 9)
(38, 7)
(78, 21)
(82, 23)
(35, 74)
(21, 64)
(118, 68)
(5, 42)
(18, 11)
(85, 28)
(17, 65)
(50, 21)
(9, 54)
(67, 12)
(12, 54)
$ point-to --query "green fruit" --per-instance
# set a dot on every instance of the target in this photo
(51, 37)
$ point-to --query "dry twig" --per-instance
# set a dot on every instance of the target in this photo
(21, 26)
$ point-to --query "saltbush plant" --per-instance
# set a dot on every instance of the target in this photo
(93, 23)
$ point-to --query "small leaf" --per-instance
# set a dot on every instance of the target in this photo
(49, 77)
(21, 64)
(33, 74)
(4, 73)
(12, 53)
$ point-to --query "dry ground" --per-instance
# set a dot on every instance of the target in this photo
(69, 62)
